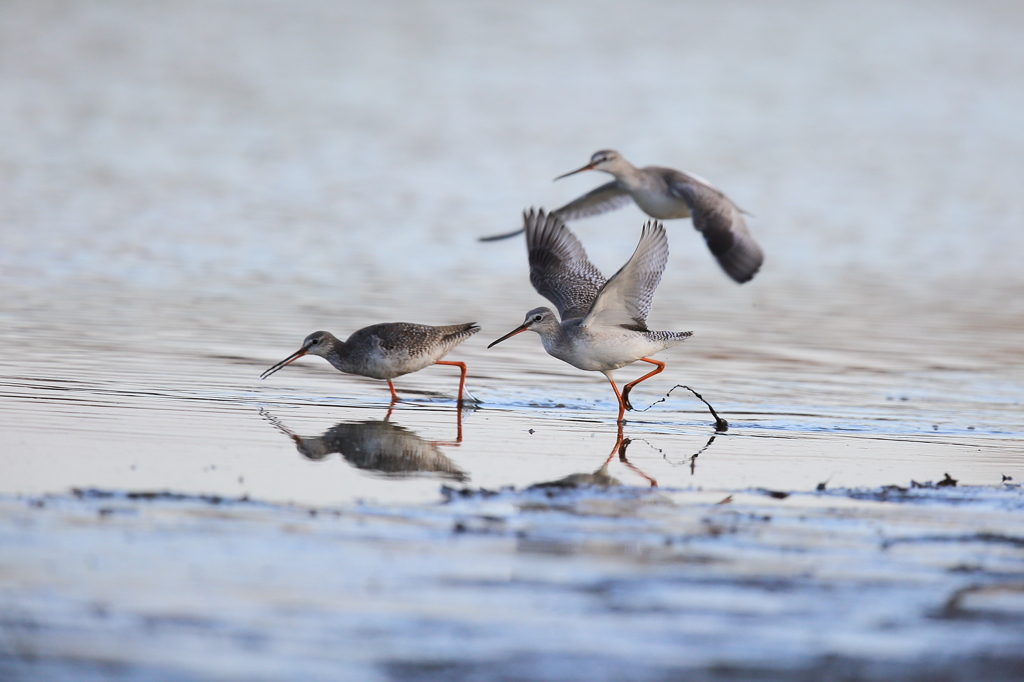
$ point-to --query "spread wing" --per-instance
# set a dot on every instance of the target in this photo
(601, 199)
(721, 222)
(626, 298)
(559, 269)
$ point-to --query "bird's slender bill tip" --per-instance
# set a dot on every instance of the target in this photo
(518, 330)
(287, 361)
(589, 166)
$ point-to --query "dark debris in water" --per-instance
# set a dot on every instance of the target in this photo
(777, 494)
(151, 495)
(1007, 495)
(450, 493)
(947, 482)
(959, 605)
(987, 538)
(721, 425)
(530, 666)
(563, 489)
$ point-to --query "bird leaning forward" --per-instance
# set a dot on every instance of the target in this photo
(603, 324)
(387, 350)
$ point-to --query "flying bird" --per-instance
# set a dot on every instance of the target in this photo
(667, 194)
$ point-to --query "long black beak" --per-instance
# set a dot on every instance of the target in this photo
(517, 330)
(287, 361)
(589, 166)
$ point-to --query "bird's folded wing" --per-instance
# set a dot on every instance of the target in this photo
(601, 199)
(626, 298)
(721, 222)
(559, 268)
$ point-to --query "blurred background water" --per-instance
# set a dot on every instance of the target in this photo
(187, 189)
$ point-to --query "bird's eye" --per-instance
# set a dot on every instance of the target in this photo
(536, 318)
(314, 342)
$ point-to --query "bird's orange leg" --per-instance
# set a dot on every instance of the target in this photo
(618, 396)
(394, 396)
(462, 375)
(629, 387)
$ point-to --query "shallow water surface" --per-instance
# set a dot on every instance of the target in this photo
(189, 189)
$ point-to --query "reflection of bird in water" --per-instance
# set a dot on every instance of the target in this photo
(377, 446)
(603, 323)
(665, 193)
(600, 478)
(386, 351)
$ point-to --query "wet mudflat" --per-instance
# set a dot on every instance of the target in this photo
(190, 189)
(548, 583)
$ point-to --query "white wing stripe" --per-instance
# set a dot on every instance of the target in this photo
(626, 298)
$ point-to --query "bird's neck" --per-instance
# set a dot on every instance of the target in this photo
(552, 336)
(627, 174)
(338, 355)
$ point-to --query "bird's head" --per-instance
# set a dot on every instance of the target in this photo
(540, 320)
(607, 160)
(317, 343)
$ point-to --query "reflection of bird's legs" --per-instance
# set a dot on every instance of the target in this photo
(462, 374)
(618, 396)
(391, 408)
(394, 396)
(629, 387)
(618, 445)
(622, 458)
(458, 423)
(621, 443)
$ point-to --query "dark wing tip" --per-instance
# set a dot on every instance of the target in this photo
(742, 261)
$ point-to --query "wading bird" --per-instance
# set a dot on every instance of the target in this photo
(387, 350)
(603, 324)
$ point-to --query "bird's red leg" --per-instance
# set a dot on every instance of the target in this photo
(394, 396)
(462, 376)
(629, 387)
(618, 396)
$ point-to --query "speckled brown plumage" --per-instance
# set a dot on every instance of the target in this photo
(387, 350)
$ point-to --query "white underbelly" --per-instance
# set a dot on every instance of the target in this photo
(606, 349)
(379, 366)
